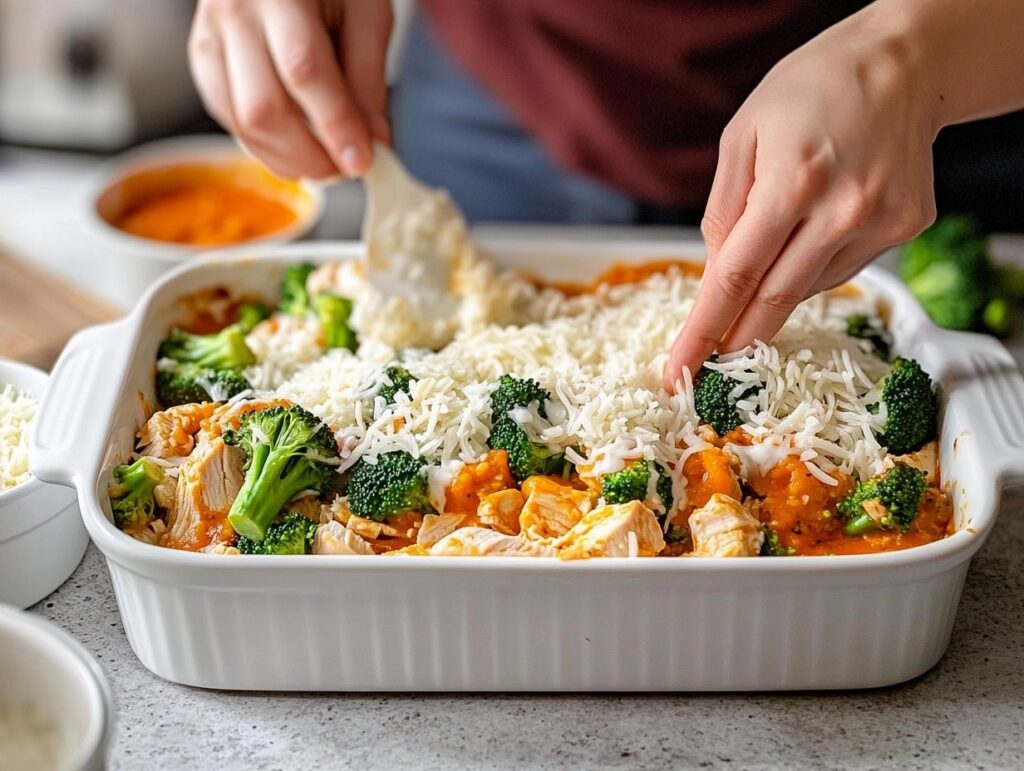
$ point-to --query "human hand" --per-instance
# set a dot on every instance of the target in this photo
(826, 164)
(299, 82)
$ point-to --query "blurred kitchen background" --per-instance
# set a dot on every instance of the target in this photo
(83, 80)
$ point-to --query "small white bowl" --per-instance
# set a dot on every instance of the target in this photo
(44, 668)
(136, 262)
(42, 536)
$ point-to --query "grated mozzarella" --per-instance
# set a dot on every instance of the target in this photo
(17, 413)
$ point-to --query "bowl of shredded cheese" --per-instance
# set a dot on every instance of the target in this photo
(42, 538)
(55, 703)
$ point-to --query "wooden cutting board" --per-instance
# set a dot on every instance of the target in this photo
(39, 312)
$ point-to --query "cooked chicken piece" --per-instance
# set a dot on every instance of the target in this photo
(309, 507)
(150, 533)
(370, 529)
(723, 528)
(609, 530)
(482, 542)
(220, 548)
(335, 538)
(207, 485)
(171, 433)
(551, 507)
(437, 526)
(500, 511)
(875, 509)
(925, 459)
(163, 493)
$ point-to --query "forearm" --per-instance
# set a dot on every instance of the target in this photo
(966, 56)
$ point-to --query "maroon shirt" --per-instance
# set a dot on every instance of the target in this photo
(632, 92)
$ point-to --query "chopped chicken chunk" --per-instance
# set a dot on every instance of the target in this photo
(171, 432)
(609, 530)
(481, 542)
(925, 459)
(437, 526)
(552, 507)
(164, 492)
(723, 528)
(500, 511)
(335, 538)
(208, 483)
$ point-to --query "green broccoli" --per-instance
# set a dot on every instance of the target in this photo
(131, 495)
(332, 312)
(287, 451)
(189, 384)
(294, 296)
(899, 490)
(713, 401)
(628, 484)
(771, 546)
(859, 326)
(526, 458)
(252, 314)
(677, 534)
(399, 380)
(393, 485)
(292, 534)
(222, 350)
(949, 270)
(664, 487)
(911, 407)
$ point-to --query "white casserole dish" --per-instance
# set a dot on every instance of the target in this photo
(494, 624)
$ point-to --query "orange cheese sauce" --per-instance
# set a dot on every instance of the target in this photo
(625, 273)
(207, 214)
(476, 480)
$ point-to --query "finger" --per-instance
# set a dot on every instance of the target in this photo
(731, 280)
(303, 54)
(734, 177)
(848, 262)
(789, 281)
(206, 61)
(364, 46)
(266, 120)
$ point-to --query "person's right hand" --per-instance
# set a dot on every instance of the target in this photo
(299, 82)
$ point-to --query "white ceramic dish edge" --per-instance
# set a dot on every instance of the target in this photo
(500, 624)
(55, 673)
(42, 536)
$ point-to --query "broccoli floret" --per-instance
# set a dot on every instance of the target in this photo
(664, 487)
(131, 495)
(393, 485)
(292, 534)
(629, 484)
(189, 384)
(513, 393)
(400, 380)
(712, 400)
(526, 458)
(223, 350)
(287, 451)
(911, 407)
(332, 312)
(294, 296)
(860, 326)
(771, 546)
(677, 534)
(251, 314)
(899, 490)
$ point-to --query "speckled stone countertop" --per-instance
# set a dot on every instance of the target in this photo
(966, 712)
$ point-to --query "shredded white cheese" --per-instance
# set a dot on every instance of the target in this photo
(17, 414)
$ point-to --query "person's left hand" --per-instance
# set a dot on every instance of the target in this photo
(827, 164)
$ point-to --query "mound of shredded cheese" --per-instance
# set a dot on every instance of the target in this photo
(600, 355)
(17, 413)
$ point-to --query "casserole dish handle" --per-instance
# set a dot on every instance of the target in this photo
(70, 434)
(992, 389)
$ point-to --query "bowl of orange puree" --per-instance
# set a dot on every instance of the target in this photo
(162, 203)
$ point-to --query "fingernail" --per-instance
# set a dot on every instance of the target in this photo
(381, 129)
(354, 160)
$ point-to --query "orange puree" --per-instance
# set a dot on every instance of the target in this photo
(206, 213)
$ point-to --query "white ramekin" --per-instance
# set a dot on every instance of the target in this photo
(42, 537)
(136, 262)
(45, 668)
